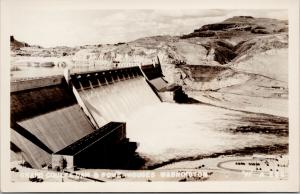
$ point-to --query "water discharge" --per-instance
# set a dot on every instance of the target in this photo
(171, 131)
(118, 100)
(167, 131)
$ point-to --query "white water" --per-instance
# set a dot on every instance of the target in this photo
(166, 131)
(117, 101)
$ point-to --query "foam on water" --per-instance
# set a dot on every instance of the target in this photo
(166, 131)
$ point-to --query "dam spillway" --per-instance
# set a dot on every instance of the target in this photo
(113, 95)
(49, 114)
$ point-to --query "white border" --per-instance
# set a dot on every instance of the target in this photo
(269, 186)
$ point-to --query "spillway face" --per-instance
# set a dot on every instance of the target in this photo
(46, 119)
(114, 95)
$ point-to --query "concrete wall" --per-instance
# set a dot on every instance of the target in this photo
(59, 128)
(167, 96)
(95, 150)
(103, 153)
(48, 114)
(152, 71)
(35, 83)
(31, 153)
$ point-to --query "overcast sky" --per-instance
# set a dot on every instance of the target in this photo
(79, 27)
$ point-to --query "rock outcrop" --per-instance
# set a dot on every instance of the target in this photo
(248, 48)
(15, 44)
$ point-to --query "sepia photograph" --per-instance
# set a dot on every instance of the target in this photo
(150, 95)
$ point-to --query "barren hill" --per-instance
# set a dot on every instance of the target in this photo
(238, 63)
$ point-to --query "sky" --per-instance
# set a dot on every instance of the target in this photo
(50, 28)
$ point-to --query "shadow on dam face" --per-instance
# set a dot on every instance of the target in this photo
(45, 119)
(49, 118)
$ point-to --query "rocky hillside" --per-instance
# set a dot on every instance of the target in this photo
(15, 45)
(242, 56)
(230, 41)
(239, 27)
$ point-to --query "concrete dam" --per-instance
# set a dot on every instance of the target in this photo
(81, 117)
(113, 94)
